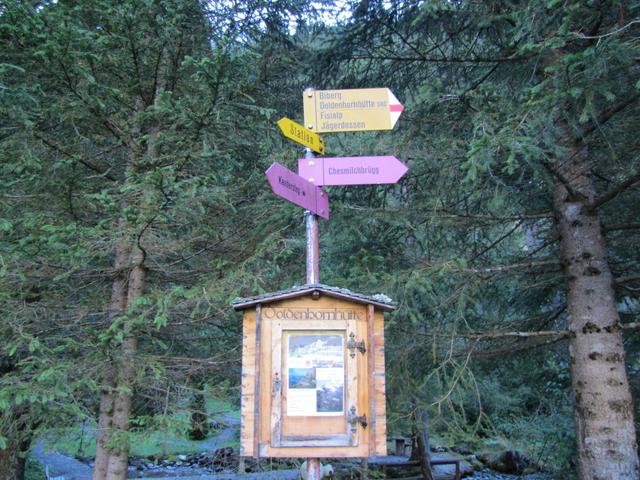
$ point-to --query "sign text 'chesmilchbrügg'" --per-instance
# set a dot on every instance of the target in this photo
(351, 170)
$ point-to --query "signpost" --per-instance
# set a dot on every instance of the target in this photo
(296, 189)
(326, 415)
(354, 110)
(304, 136)
(351, 170)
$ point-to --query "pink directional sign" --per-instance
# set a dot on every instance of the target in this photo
(351, 170)
(296, 189)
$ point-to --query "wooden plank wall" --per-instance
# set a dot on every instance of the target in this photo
(379, 385)
(248, 393)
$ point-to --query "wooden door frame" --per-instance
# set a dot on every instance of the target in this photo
(350, 438)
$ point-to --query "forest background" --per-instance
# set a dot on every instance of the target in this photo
(134, 137)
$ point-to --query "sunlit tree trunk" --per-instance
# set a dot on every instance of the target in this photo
(117, 305)
(126, 363)
(119, 455)
(603, 408)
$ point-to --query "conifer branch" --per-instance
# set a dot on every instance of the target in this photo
(605, 116)
(91, 166)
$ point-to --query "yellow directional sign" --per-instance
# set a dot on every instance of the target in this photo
(298, 133)
(353, 110)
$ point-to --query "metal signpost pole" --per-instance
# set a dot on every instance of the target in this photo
(313, 261)
(313, 276)
(313, 239)
(313, 256)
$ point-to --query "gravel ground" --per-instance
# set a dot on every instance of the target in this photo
(491, 475)
(68, 468)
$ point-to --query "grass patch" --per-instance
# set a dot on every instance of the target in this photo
(33, 470)
(217, 409)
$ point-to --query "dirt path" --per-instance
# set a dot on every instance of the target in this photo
(227, 434)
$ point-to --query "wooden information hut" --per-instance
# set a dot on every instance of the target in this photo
(313, 381)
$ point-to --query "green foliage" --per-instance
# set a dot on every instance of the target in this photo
(151, 124)
(33, 470)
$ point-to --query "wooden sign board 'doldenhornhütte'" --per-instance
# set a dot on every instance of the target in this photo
(313, 379)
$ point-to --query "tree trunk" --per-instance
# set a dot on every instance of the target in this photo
(603, 409)
(422, 440)
(199, 421)
(117, 305)
(127, 287)
(119, 455)
(11, 463)
(104, 425)
(14, 458)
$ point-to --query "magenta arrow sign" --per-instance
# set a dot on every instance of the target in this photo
(351, 170)
(296, 189)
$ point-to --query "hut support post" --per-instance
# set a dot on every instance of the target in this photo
(313, 276)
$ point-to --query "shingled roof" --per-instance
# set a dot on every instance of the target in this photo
(380, 300)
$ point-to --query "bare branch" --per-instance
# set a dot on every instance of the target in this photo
(496, 335)
(604, 35)
(513, 266)
(515, 348)
(443, 59)
(445, 214)
(621, 226)
(496, 242)
(630, 182)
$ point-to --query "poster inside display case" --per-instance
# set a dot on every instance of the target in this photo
(315, 365)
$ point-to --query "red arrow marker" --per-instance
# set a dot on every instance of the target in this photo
(395, 108)
(351, 170)
(296, 189)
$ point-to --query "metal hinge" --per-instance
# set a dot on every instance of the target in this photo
(353, 344)
(277, 383)
(354, 420)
